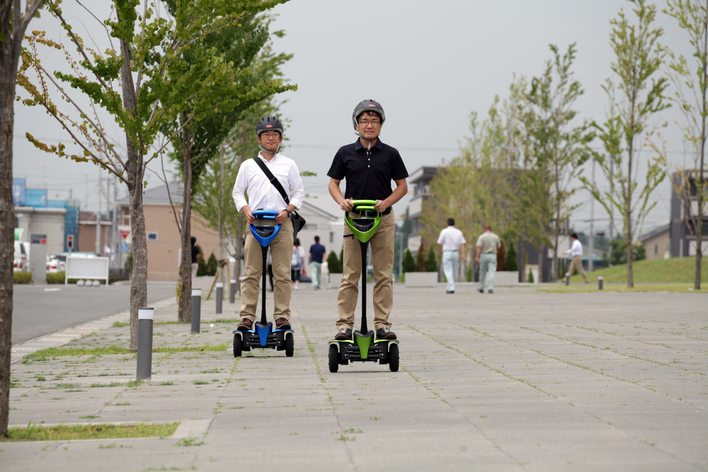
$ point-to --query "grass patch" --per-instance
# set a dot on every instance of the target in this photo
(108, 350)
(93, 431)
(583, 288)
(677, 270)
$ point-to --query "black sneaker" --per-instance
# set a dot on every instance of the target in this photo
(385, 333)
(490, 290)
(342, 334)
(480, 290)
(245, 325)
(282, 323)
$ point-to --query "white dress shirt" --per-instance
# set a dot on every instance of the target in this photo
(576, 249)
(261, 193)
(451, 239)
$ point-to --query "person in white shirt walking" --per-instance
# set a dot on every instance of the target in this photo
(262, 195)
(452, 243)
(576, 252)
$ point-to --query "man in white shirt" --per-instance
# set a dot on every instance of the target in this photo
(576, 252)
(452, 243)
(262, 195)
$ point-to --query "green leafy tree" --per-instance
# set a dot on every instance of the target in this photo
(199, 140)
(408, 264)
(511, 264)
(691, 81)
(144, 80)
(618, 252)
(636, 94)
(560, 146)
(13, 25)
(420, 257)
(211, 265)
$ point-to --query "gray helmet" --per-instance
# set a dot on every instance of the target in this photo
(368, 105)
(269, 123)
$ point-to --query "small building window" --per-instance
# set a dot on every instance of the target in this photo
(656, 249)
(152, 236)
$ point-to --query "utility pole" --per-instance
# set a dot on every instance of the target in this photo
(592, 225)
(98, 216)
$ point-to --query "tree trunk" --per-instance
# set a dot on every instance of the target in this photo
(138, 281)
(8, 70)
(184, 314)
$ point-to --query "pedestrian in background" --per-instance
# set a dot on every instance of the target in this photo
(487, 246)
(317, 252)
(195, 262)
(576, 252)
(296, 263)
(452, 244)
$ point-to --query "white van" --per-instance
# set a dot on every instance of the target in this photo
(21, 261)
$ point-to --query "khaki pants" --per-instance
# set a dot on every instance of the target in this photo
(281, 252)
(382, 245)
(577, 263)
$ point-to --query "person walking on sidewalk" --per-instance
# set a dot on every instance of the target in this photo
(487, 246)
(576, 252)
(297, 263)
(369, 166)
(452, 244)
(262, 195)
(317, 252)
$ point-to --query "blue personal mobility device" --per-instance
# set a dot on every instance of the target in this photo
(363, 348)
(262, 335)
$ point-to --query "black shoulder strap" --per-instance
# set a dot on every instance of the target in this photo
(273, 180)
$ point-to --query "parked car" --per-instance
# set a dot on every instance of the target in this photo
(21, 260)
(56, 262)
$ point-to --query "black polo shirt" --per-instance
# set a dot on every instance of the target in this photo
(368, 173)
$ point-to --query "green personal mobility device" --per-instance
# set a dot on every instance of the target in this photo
(363, 348)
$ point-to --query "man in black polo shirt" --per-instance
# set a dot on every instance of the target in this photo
(369, 166)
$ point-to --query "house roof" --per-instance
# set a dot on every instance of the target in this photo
(655, 232)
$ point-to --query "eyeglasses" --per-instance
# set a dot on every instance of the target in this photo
(367, 122)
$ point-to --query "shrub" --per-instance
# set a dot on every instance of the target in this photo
(420, 258)
(511, 264)
(431, 263)
(21, 277)
(408, 263)
(530, 279)
(334, 265)
(211, 265)
(469, 273)
(56, 277)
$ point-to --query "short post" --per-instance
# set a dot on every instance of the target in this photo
(219, 296)
(567, 278)
(145, 320)
(196, 309)
(232, 293)
(599, 283)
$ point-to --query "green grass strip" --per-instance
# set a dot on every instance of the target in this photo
(109, 350)
(93, 431)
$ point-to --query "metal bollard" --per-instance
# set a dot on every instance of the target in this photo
(219, 296)
(145, 319)
(232, 294)
(196, 309)
(567, 278)
(599, 283)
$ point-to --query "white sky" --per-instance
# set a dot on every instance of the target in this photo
(429, 64)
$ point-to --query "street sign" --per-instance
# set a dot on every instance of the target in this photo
(125, 233)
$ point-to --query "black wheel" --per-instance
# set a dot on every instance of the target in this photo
(237, 345)
(393, 357)
(333, 358)
(289, 345)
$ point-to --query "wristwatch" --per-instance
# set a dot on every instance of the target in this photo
(289, 212)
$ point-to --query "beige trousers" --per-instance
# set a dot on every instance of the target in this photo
(382, 245)
(577, 263)
(281, 252)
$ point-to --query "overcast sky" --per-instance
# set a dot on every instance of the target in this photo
(430, 64)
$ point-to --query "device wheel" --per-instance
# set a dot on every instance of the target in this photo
(333, 358)
(289, 345)
(237, 345)
(393, 357)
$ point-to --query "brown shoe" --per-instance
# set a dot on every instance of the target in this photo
(385, 333)
(282, 323)
(245, 325)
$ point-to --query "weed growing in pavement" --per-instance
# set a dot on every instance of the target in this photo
(35, 432)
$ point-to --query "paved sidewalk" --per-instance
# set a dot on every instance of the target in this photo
(514, 381)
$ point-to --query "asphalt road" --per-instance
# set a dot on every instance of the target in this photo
(42, 309)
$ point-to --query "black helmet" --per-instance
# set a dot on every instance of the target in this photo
(269, 123)
(368, 105)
